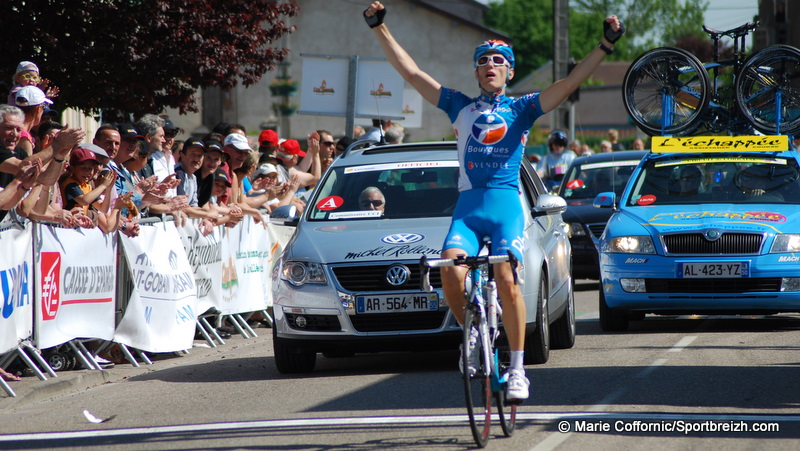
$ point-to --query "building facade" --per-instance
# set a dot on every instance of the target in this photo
(439, 34)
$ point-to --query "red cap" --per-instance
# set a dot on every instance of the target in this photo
(268, 138)
(80, 155)
(291, 147)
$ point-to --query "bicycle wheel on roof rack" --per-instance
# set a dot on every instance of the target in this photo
(768, 90)
(666, 91)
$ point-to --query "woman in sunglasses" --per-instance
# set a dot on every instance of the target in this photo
(491, 130)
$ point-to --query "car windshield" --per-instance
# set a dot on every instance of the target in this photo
(586, 181)
(387, 190)
(719, 179)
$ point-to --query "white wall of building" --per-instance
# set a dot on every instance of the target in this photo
(442, 45)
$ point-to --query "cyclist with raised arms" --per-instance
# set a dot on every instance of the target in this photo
(491, 130)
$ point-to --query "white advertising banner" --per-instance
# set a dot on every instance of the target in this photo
(162, 311)
(76, 274)
(412, 109)
(379, 90)
(247, 264)
(323, 89)
(205, 257)
(16, 320)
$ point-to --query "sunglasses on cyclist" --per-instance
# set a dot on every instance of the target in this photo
(497, 60)
(375, 203)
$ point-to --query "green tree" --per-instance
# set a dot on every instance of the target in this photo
(140, 56)
(528, 22)
(649, 23)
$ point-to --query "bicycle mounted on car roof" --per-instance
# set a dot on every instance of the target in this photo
(667, 90)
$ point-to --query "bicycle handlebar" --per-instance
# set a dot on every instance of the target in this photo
(473, 262)
(463, 260)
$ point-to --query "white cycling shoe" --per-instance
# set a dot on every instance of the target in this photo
(518, 386)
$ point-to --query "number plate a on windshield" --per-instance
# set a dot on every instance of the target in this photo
(713, 270)
(392, 303)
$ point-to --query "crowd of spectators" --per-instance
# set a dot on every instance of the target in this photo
(128, 171)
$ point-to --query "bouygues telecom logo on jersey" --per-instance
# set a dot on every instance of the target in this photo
(489, 129)
(51, 284)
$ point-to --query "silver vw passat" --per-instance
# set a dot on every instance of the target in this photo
(349, 279)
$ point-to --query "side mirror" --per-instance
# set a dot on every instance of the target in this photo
(285, 215)
(605, 200)
(549, 204)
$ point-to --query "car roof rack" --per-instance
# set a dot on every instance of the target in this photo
(372, 147)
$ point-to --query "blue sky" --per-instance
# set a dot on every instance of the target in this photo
(727, 14)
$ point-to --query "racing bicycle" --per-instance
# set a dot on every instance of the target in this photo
(668, 91)
(482, 312)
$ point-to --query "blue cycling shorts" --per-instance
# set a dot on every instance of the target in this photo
(493, 213)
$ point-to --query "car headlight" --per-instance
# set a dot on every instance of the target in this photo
(576, 229)
(789, 242)
(631, 245)
(301, 273)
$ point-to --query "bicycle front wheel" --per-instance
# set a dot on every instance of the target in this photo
(506, 413)
(477, 387)
(768, 90)
(666, 91)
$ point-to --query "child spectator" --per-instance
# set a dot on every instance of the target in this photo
(78, 190)
(228, 215)
(28, 75)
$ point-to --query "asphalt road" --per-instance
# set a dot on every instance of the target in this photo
(668, 383)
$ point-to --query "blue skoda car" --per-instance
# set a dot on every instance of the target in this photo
(706, 225)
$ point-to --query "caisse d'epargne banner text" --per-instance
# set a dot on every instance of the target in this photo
(76, 282)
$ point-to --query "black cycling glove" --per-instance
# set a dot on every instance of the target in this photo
(611, 35)
(376, 19)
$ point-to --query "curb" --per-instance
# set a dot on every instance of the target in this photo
(31, 390)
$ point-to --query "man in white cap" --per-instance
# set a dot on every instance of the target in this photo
(32, 101)
(12, 158)
(237, 147)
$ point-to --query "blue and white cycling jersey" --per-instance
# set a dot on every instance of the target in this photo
(491, 135)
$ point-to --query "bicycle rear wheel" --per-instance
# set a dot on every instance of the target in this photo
(768, 90)
(477, 388)
(666, 91)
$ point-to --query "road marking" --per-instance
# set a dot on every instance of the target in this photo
(682, 343)
(557, 438)
(349, 422)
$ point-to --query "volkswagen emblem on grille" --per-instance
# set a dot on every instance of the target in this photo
(712, 234)
(397, 275)
(402, 238)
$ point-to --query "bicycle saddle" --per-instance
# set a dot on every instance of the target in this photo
(733, 32)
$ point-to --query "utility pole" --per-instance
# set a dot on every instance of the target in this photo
(563, 114)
